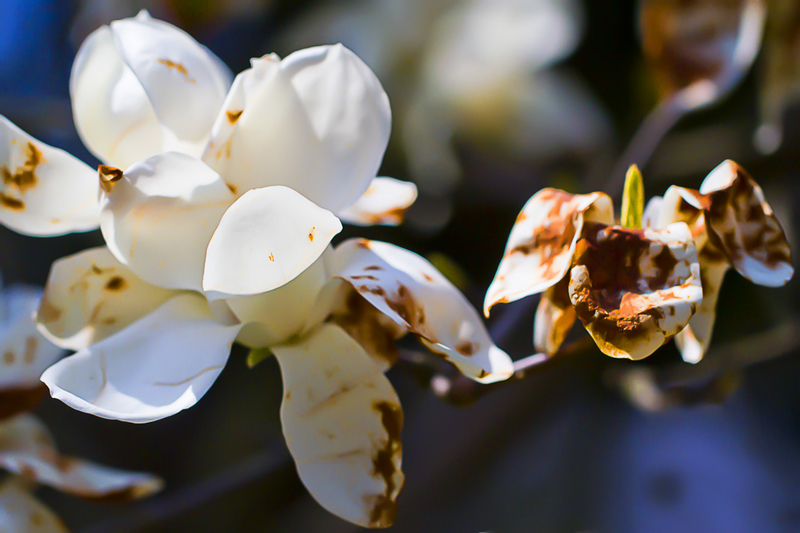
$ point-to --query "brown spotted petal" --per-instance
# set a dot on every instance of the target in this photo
(342, 421)
(741, 223)
(554, 318)
(385, 202)
(635, 289)
(44, 191)
(27, 449)
(542, 243)
(90, 296)
(412, 293)
(694, 340)
(20, 512)
(374, 331)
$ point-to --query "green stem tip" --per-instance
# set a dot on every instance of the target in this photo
(633, 199)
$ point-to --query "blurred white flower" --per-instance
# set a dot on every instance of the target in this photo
(27, 448)
(476, 70)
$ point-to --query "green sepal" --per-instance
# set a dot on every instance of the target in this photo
(257, 355)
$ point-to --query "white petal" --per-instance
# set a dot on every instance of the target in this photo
(385, 202)
(24, 353)
(410, 291)
(274, 316)
(266, 238)
(542, 243)
(20, 512)
(342, 421)
(317, 121)
(152, 369)
(186, 84)
(112, 111)
(90, 296)
(159, 218)
(28, 450)
(652, 212)
(43, 190)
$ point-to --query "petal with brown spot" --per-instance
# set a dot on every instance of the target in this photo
(385, 202)
(44, 191)
(554, 319)
(28, 449)
(741, 223)
(413, 294)
(541, 246)
(342, 421)
(635, 289)
(90, 296)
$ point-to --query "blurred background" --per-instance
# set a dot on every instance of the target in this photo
(492, 100)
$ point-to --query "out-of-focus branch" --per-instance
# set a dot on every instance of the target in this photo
(139, 516)
(713, 379)
(642, 145)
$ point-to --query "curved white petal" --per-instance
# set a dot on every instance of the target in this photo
(112, 112)
(273, 316)
(152, 369)
(43, 190)
(159, 217)
(342, 421)
(385, 202)
(542, 243)
(185, 83)
(20, 512)
(90, 296)
(317, 121)
(28, 450)
(266, 238)
(410, 291)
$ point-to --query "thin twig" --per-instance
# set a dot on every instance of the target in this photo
(140, 515)
(461, 390)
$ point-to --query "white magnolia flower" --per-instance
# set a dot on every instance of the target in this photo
(733, 226)
(633, 289)
(146, 352)
(27, 448)
(317, 121)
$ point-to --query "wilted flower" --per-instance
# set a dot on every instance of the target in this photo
(733, 226)
(141, 87)
(701, 50)
(633, 289)
(27, 448)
